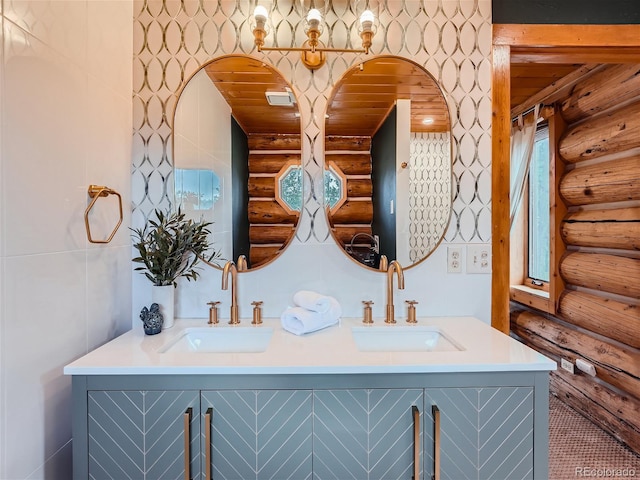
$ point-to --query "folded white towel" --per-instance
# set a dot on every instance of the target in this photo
(312, 301)
(299, 321)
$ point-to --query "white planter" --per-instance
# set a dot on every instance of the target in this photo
(164, 297)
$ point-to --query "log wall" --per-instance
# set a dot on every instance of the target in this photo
(352, 155)
(271, 226)
(597, 314)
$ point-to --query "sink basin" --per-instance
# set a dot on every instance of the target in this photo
(221, 339)
(403, 338)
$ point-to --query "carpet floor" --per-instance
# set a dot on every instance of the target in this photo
(580, 449)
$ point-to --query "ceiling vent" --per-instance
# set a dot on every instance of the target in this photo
(283, 99)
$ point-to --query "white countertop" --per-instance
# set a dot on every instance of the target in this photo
(329, 351)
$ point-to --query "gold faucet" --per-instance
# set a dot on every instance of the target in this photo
(393, 266)
(241, 264)
(384, 263)
(231, 267)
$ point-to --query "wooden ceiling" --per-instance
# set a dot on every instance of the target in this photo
(527, 79)
(364, 96)
(360, 102)
(243, 81)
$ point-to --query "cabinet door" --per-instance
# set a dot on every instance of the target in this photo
(257, 434)
(366, 434)
(144, 435)
(485, 433)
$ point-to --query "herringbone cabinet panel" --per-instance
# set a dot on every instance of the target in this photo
(486, 433)
(363, 434)
(139, 435)
(260, 434)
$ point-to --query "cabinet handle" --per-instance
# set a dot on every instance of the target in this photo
(416, 442)
(436, 442)
(187, 443)
(207, 443)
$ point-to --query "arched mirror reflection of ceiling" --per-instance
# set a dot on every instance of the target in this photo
(237, 141)
(388, 136)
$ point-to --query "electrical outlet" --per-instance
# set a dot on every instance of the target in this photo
(566, 365)
(454, 259)
(479, 258)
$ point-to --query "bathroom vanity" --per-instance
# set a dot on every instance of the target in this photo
(447, 398)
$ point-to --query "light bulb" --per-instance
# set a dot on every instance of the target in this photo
(314, 17)
(260, 14)
(366, 20)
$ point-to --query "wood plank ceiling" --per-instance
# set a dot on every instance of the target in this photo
(366, 93)
(361, 99)
(243, 81)
(527, 79)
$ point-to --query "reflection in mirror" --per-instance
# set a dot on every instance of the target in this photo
(388, 135)
(236, 150)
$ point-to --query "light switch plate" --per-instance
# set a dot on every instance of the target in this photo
(479, 258)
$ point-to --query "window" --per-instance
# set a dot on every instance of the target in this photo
(538, 212)
(536, 245)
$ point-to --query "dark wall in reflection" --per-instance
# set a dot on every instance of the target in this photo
(383, 178)
(239, 182)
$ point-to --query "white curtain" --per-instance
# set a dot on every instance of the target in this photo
(522, 137)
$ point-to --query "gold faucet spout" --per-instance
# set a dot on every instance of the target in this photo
(230, 267)
(394, 266)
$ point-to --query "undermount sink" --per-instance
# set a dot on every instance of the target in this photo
(221, 340)
(403, 338)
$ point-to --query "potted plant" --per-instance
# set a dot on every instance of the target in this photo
(170, 247)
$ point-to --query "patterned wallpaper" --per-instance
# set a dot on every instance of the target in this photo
(450, 38)
(429, 192)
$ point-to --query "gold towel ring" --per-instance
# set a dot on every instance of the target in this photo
(95, 192)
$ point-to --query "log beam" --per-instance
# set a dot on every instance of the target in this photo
(347, 142)
(538, 339)
(270, 162)
(598, 271)
(608, 87)
(351, 163)
(596, 350)
(614, 132)
(613, 319)
(606, 182)
(276, 141)
(615, 228)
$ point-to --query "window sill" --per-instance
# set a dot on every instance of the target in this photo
(534, 298)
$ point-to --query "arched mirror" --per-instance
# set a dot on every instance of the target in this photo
(388, 162)
(236, 150)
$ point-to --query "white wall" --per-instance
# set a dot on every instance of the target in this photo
(66, 123)
(202, 140)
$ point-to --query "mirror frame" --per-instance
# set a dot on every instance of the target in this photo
(179, 93)
(330, 99)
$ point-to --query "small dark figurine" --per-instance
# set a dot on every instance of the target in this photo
(152, 319)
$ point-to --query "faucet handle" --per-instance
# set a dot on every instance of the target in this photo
(368, 312)
(411, 311)
(213, 312)
(257, 313)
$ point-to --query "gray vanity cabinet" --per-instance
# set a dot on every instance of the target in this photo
(144, 435)
(476, 426)
(257, 434)
(366, 434)
(481, 433)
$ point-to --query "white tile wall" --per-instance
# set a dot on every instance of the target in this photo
(66, 110)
